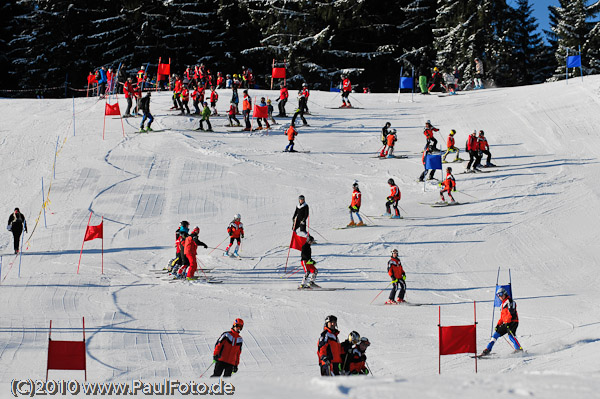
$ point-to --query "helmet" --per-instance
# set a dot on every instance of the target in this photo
(474, 132)
(304, 85)
(237, 216)
(238, 322)
(354, 337)
(393, 131)
(394, 251)
(310, 239)
(449, 169)
(301, 197)
(481, 133)
(142, 68)
(435, 69)
(452, 132)
(343, 76)
(477, 60)
(331, 319)
(228, 75)
(185, 223)
(196, 230)
(391, 181)
(355, 184)
(365, 340)
(501, 292)
(428, 122)
(387, 124)
(269, 101)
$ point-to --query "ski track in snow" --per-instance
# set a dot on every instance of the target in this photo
(534, 214)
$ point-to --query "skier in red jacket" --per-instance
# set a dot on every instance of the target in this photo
(392, 200)
(355, 206)
(227, 351)
(346, 90)
(236, 233)
(329, 349)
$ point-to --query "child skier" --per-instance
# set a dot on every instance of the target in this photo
(384, 133)
(270, 111)
(263, 103)
(308, 264)
(429, 135)
(236, 233)
(180, 236)
(508, 323)
(329, 350)
(391, 139)
(145, 106)
(190, 250)
(205, 118)
(227, 351)
(355, 206)
(358, 360)
(427, 151)
(448, 185)
(398, 276)
(393, 199)
(196, 100)
(214, 97)
(185, 99)
(291, 134)
(346, 90)
(346, 348)
(231, 115)
(451, 147)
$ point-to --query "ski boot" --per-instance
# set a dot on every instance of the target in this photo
(312, 284)
(390, 302)
(226, 253)
(360, 224)
(149, 129)
(458, 159)
(142, 130)
(388, 214)
(235, 254)
(351, 224)
(396, 217)
(485, 352)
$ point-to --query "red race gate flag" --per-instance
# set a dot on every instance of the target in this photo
(260, 112)
(457, 339)
(297, 241)
(93, 232)
(164, 69)
(91, 79)
(66, 355)
(278, 73)
(112, 109)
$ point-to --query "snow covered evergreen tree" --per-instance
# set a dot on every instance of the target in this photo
(416, 31)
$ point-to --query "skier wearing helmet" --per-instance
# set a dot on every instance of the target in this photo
(228, 349)
(451, 144)
(346, 90)
(236, 233)
(508, 323)
(392, 200)
(437, 80)
(308, 264)
(358, 360)
(190, 248)
(329, 349)
(384, 134)
(396, 272)
(355, 206)
(448, 185)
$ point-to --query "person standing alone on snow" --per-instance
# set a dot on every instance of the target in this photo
(329, 349)
(228, 349)
(451, 147)
(301, 216)
(346, 90)
(355, 206)
(478, 74)
(145, 107)
(448, 185)
(291, 135)
(236, 233)
(398, 276)
(508, 323)
(429, 135)
(16, 225)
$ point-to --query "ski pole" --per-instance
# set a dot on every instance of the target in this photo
(208, 368)
(368, 368)
(313, 229)
(201, 269)
(218, 245)
(386, 287)
(462, 192)
(366, 217)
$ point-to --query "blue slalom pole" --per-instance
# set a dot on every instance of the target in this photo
(494, 301)
(55, 151)
(44, 203)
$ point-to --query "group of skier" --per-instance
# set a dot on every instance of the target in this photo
(341, 358)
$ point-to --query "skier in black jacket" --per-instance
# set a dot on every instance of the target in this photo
(16, 224)
(308, 264)
(145, 106)
(300, 215)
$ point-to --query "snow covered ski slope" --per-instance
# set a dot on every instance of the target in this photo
(536, 214)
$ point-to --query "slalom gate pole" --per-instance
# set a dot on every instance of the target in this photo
(208, 368)
(494, 303)
(218, 245)
(386, 287)
(320, 234)
(291, 273)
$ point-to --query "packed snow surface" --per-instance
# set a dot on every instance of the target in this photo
(535, 215)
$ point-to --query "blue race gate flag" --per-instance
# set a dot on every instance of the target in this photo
(574, 61)
(498, 301)
(406, 83)
(433, 161)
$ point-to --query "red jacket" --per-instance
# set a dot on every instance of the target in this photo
(235, 229)
(508, 312)
(450, 142)
(190, 247)
(483, 144)
(305, 92)
(283, 93)
(356, 198)
(428, 132)
(449, 183)
(357, 360)
(178, 243)
(346, 85)
(391, 139)
(178, 86)
(291, 133)
(213, 96)
(395, 193)
(185, 95)
(395, 269)
(229, 347)
(128, 89)
(329, 347)
(232, 109)
(472, 144)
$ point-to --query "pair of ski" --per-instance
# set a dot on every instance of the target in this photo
(490, 355)
(301, 288)
(349, 227)
(441, 204)
(300, 152)
(392, 157)
(405, 303)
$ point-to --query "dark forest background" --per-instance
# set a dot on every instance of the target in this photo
(45, 43)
